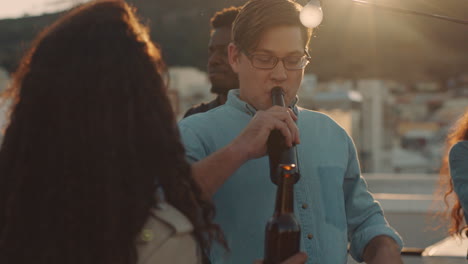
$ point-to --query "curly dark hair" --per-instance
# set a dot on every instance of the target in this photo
(224, 17)
(91, 132)
(458, 132)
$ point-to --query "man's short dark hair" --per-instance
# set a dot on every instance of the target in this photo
(225, 17)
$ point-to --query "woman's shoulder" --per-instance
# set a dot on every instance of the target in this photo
(167, 238)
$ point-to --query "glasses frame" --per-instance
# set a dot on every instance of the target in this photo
(250, 56)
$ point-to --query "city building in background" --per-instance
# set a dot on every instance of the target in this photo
(188, 86)
(397, 127)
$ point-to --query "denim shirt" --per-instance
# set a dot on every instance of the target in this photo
(332, 202)
(458, 159)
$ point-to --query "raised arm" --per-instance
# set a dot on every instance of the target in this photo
(211, 170)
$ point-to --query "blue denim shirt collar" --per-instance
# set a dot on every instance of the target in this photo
(235, 101)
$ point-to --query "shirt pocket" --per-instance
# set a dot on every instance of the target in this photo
(331, 191)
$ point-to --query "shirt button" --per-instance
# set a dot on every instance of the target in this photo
(310, 236)
(147, 235)
(304, 206)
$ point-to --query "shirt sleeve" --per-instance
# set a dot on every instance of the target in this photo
(364, 214)
(195, 149)
(458, 160)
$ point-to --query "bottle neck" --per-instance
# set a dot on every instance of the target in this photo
(285, 195)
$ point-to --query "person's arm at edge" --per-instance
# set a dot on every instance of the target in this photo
(459, 172)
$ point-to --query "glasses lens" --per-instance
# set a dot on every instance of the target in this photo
(264, 61)
(269, 62)
(295, 63)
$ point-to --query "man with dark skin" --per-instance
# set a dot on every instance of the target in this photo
(221, 76)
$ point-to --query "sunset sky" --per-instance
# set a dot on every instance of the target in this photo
(18, 8)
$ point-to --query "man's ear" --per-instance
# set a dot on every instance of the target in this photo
(234, 56)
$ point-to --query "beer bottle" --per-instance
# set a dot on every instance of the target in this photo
(282, 232)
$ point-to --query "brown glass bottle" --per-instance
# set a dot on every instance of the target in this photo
(282, 232)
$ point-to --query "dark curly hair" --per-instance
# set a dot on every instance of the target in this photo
(458, 132)
(91, 132)
(224, 17)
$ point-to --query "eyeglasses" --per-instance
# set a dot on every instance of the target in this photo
(268, 62)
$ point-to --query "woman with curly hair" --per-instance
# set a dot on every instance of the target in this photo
(455, 164)
(91, 139)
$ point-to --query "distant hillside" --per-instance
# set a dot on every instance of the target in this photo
(180, 27)
(352, 42)
(16, 35)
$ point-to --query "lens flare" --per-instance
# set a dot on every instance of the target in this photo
(311, 14)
